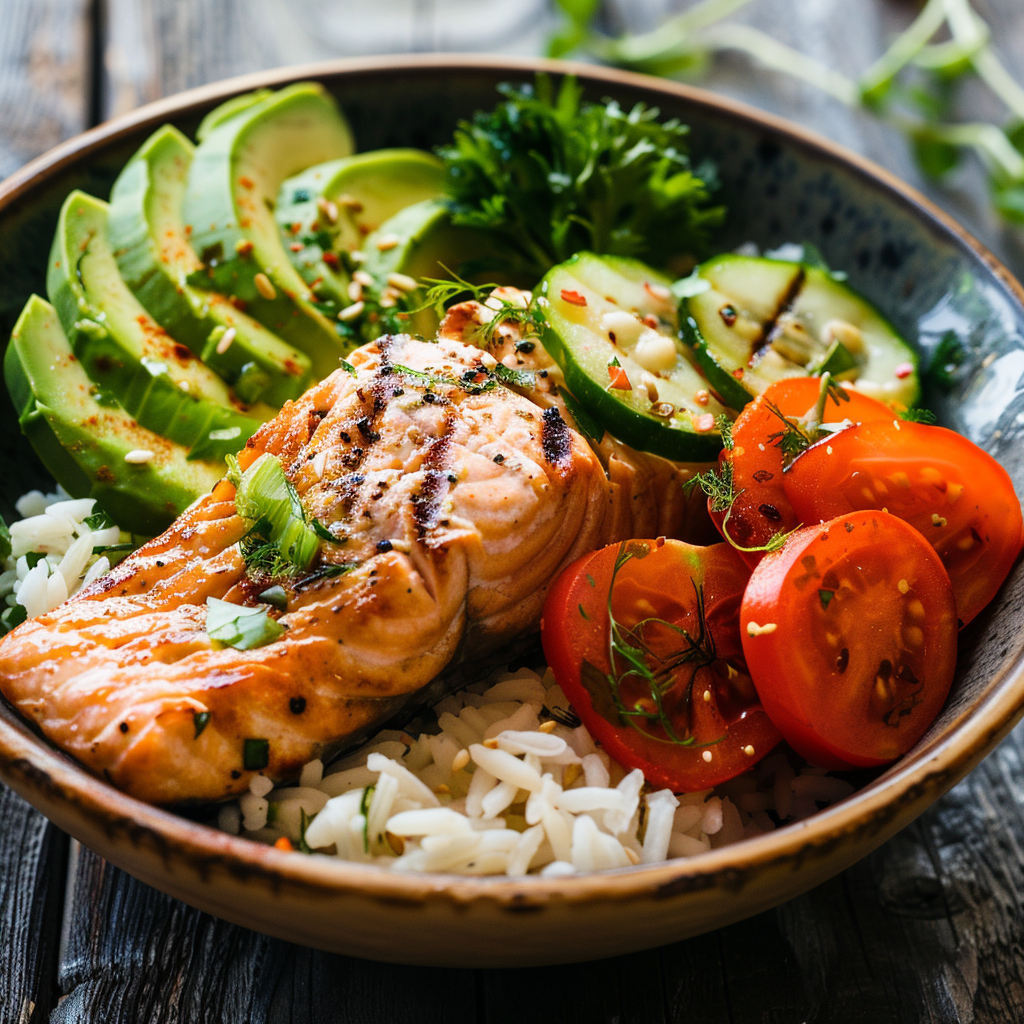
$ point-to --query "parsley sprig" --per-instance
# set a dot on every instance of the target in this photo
(547, 175)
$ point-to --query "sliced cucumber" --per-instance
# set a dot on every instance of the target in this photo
(332, 207)
(155, 258)
(595, 328)
(83, 441)
(762, 320)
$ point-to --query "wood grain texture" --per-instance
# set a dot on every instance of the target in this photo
(32, 857)
(44, 76)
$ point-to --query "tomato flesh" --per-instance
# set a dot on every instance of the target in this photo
(850, 635)
(762, 507)
(708, 703)
(953, 493)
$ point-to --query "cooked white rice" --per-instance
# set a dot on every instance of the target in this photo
(499, 785)
(53, 551)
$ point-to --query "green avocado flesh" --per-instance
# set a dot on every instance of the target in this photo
(229, 109)
(421, 242)
(127, 353)
(155, 258)
(762, 320)
(594, 313)
(83, 441)
(332, 207)
(229, 203)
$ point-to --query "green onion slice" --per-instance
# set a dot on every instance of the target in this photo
(240, 627)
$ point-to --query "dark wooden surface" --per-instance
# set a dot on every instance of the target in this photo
(929, 928)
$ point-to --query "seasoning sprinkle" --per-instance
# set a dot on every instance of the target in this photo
(139, 457)
(351, 312)
(706, 756)
(386, 242)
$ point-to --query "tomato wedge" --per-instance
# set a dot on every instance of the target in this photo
(850, 636)
(761, 507)
(953, 493)
(678, 701)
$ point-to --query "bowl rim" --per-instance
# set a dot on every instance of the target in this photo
(43, 773)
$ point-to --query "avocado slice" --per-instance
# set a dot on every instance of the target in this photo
(229, 209)
(420, 241)
(83, 438)
(127, 353)
(229, 109)
(155, 258)
(332, 207)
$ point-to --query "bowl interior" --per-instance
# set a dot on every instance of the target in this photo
(780, 186)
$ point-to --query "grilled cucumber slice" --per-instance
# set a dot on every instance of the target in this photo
(761, 320)
(635, 377)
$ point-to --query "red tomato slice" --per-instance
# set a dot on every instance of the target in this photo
(953, 493)
(710, 725)
(850, 635)
(761, 508)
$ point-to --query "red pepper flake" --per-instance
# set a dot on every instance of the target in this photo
(620, 382)
(702, 397)
(904, 370)
(702, 424)
(652, 321)
(331, 259)
(296, 247)
(284, 843)
(738, 373)
(246, 182)
(573, 297)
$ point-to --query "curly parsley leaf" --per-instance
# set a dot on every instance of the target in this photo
(547, 175)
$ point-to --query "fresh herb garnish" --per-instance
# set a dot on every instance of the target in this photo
(238, 626)
(275, 596)
(255, 754)
(99, 521)
(364, 810)
(918, 416)
(632, 660)
(200, 721)
(547, 175)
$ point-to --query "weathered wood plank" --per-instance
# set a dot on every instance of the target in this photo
(32, 859)
(132, 954)
(44, 74)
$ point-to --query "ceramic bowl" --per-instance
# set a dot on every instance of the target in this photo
(782, 184)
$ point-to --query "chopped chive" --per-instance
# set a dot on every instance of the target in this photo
(825, 596)
(255, 755)
(200, 722)
(583, 612)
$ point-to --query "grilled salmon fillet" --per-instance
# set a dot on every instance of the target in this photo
(455, 508)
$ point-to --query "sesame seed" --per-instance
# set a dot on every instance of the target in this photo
(828, 449)
(896, 424)
(328, 209)
(547, 726)
(264, 286)
(748, 750)
(706, 756)
(139, 457)
(753, 629)
(707, 696)
(363, 278)
(938, 520)
(225, 341)
(386, 242)
(355, 290)
(460, 760)
(988, 360)
(403, 282)
(351, 312)
(903, 586)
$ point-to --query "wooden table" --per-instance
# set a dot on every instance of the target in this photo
(929, 928)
